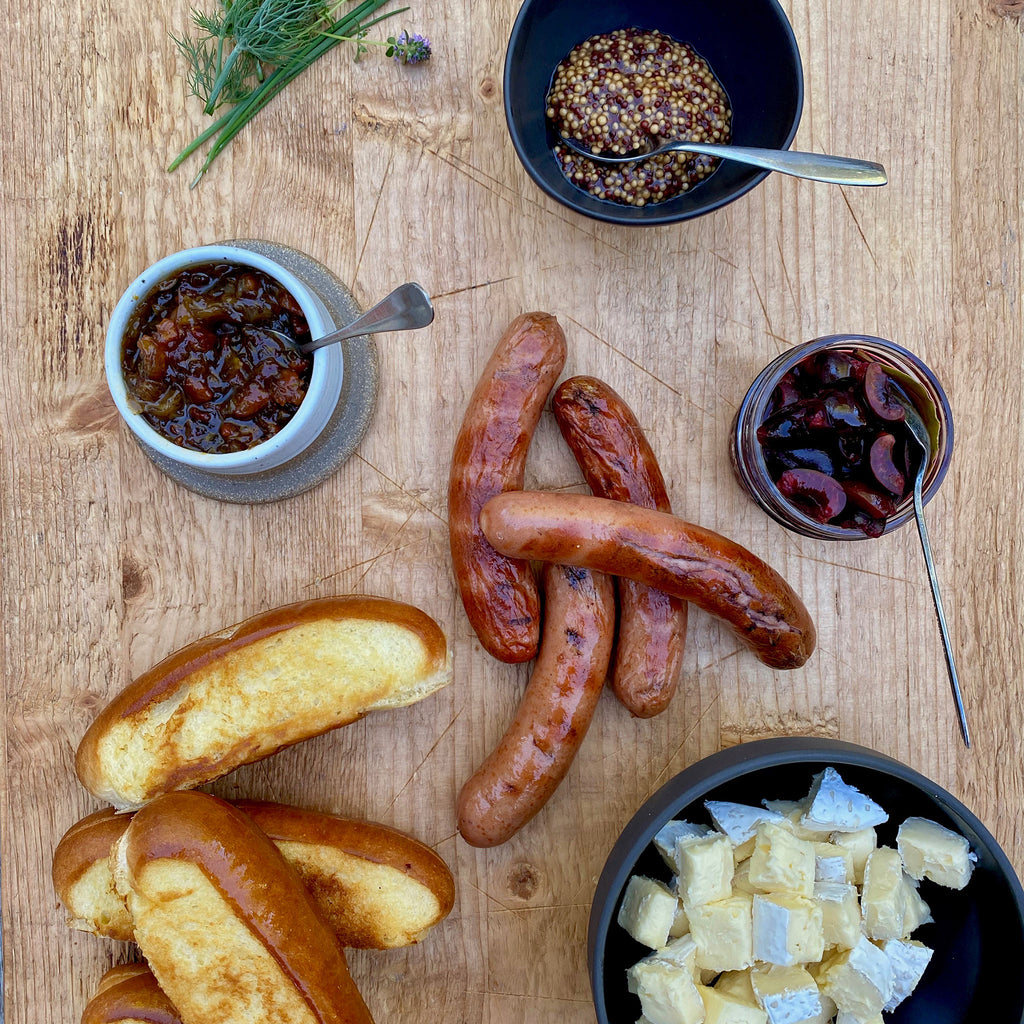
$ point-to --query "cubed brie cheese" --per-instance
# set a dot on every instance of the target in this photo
(908, 960)
(787, 929)
(705, 870)
(918, 912)
(672, 833)
(832, 863)
(834, 805)
(721, 1008)
(738, 821)
(781, 862)
(681, 951)
(667, 992)
(648, 911)
(858, 980)
(883, 900)
(723, 931)
(840, 913)
(787, 994)
(737, 985)
(860, 844)
(930, 850)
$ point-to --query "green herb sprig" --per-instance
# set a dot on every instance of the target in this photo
(218, 77)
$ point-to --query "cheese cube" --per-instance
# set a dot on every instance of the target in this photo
(792, 812)
(667, 991)
(787, 994)
(840, 913)
(736, 985)
(781, 862)
(858, 980)
(883, 901)
(929, 850)
(741, 879)
(832, 863)
(681, 951)
(738, 821)
(787, 929)
(720, 1008)
(648, 911)
(834, 805)
(918, 912)
(845, 1017)
(908, 961)
(674, 832)
(723, 931)
(705, 870)
(860, 844)
(742, 852)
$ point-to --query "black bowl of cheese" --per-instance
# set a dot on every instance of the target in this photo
(704, 71)
(955, 894)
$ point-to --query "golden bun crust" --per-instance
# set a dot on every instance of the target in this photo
(244, 693)
(377, 887)
(229, 930)
(129, 994)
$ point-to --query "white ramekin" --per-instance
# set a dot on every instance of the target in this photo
(302, 429)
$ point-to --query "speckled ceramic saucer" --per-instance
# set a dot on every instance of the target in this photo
(346, 427)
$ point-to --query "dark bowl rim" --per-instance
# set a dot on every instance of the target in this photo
(612, 217)
(716, 769)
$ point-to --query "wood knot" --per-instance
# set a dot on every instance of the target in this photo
(488, 89)
(133, 578)
(523, 880)
(1008, 8)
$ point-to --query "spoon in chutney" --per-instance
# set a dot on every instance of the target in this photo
(919, 432)
(407, 308)
(836, 170)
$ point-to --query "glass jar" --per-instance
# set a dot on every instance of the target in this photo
(917, 379)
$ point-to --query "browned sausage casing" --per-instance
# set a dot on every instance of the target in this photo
(618, 463)
(531, 759)
(709, 570)
(499, 593)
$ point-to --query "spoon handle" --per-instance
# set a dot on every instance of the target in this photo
(838, 170)
(947, 647)
(406, 308)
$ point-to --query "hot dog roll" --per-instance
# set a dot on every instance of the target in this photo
(377, 887)
(242, 694)
(663, 551)
(500, 594)
(538, 748)
(617, 462)
(229, 930)
(129, 994)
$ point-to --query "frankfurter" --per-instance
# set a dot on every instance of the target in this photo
(378, 888)
(499, 593)
(240, 695)
(617, 462)
(538, 748)
(225, 923)
(129, 994)
(663, 551)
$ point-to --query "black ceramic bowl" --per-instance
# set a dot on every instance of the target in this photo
(978, 934)
(751, 50)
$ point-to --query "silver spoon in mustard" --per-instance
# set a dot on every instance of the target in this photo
(837, 170)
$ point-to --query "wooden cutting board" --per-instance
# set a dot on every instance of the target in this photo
(386, 174)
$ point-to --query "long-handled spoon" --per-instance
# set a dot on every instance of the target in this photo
(405, 309)
(837, 170)
(920, 434)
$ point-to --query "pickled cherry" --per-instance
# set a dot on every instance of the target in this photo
(834, 441)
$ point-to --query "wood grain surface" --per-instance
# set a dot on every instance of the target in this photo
(386, 174)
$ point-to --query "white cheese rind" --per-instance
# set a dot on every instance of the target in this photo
(738, 821)
(667, 992)
(674, 832)
(908, 961)
(788, 995)
(788, 930)
(858, 980)
(834, 805)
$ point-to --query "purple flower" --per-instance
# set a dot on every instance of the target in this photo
(409, 49)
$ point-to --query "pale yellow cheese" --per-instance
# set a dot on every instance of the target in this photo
(918, 912)
(667, 992)
(883, 900)
(860, 844)
(788, 929)
(782, 862)
(832, 863)
(648, 911)
(858, 980)
(840, 912)
(721, 1008)
(705, 870)
(789, 995)
(737, 985)
(930, 850)
(723, 931)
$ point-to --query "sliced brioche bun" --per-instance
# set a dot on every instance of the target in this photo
(378, 888)
(226, 924)
(243, 694)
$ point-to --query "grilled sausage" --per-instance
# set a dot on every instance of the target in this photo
(500, 594)
(617, 462)
(535, 753)
(663, 551)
